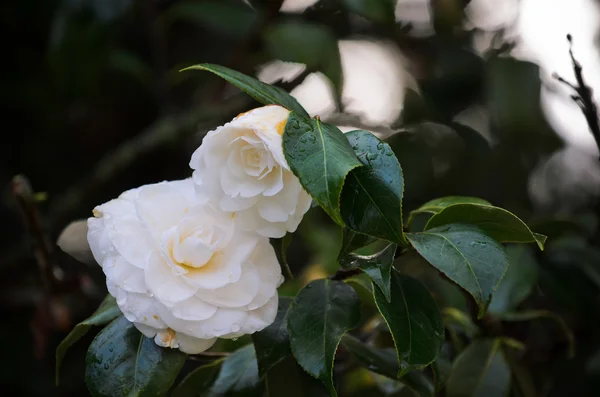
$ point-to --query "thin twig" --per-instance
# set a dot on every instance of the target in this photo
(584, 97)
(45, 318)
(25, 197)
(208, 356)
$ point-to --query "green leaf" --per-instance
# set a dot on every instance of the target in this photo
(377, 266)
(380, 11)
(262, 92)
(197, 381)
(384, 361)
(313, 45)
(480, 371)
(414, 321)
(441, 368)
(437, 205)
(498, 223)
(521, 374)
(272, 344)
(320, 156)
(223, 17)
(123, 362)
(467, 256)
(351, 241)
(519, 281)
(238, 375)
(320, 315)
(106, 312)
(288, 379)
(372, 196)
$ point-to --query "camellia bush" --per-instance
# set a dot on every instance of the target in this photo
(191, 263)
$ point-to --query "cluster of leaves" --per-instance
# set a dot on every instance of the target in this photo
(357, 180)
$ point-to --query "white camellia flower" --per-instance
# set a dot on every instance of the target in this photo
(181, 272)
(240, 168)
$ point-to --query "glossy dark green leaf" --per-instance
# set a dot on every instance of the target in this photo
(272, 344)
(288, 379)
(123, 362)
(414, 321)
(519, 281)
(320, 156)
(351, 241)
(480, 371)
(313, 45)
(380, 11)
(238, 375)
(262, 92)
(384, 361)
(320, 315)
(437, 205)
(106, 312)
(467, 256)
(372, 196)
(498, 223)
(377, 266)
(198, 381)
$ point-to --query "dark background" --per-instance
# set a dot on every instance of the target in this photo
(93, 104)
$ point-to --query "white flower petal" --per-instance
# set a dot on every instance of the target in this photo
(274, 181)
(234, 204)
(135, 253)
(262, 317)
(146, 330)
(160, 207)
(166, 287)
(272, 211)
(274, 230)
(99, 240)
(193, 309)
(125, 275)
(223, 268)
(223, 323)
(234, 295)
(167, 338)
(140, 308)
(190, 345)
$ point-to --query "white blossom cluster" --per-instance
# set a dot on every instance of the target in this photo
(190, 261)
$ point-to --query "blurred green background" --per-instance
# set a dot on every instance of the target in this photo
(93, 104)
